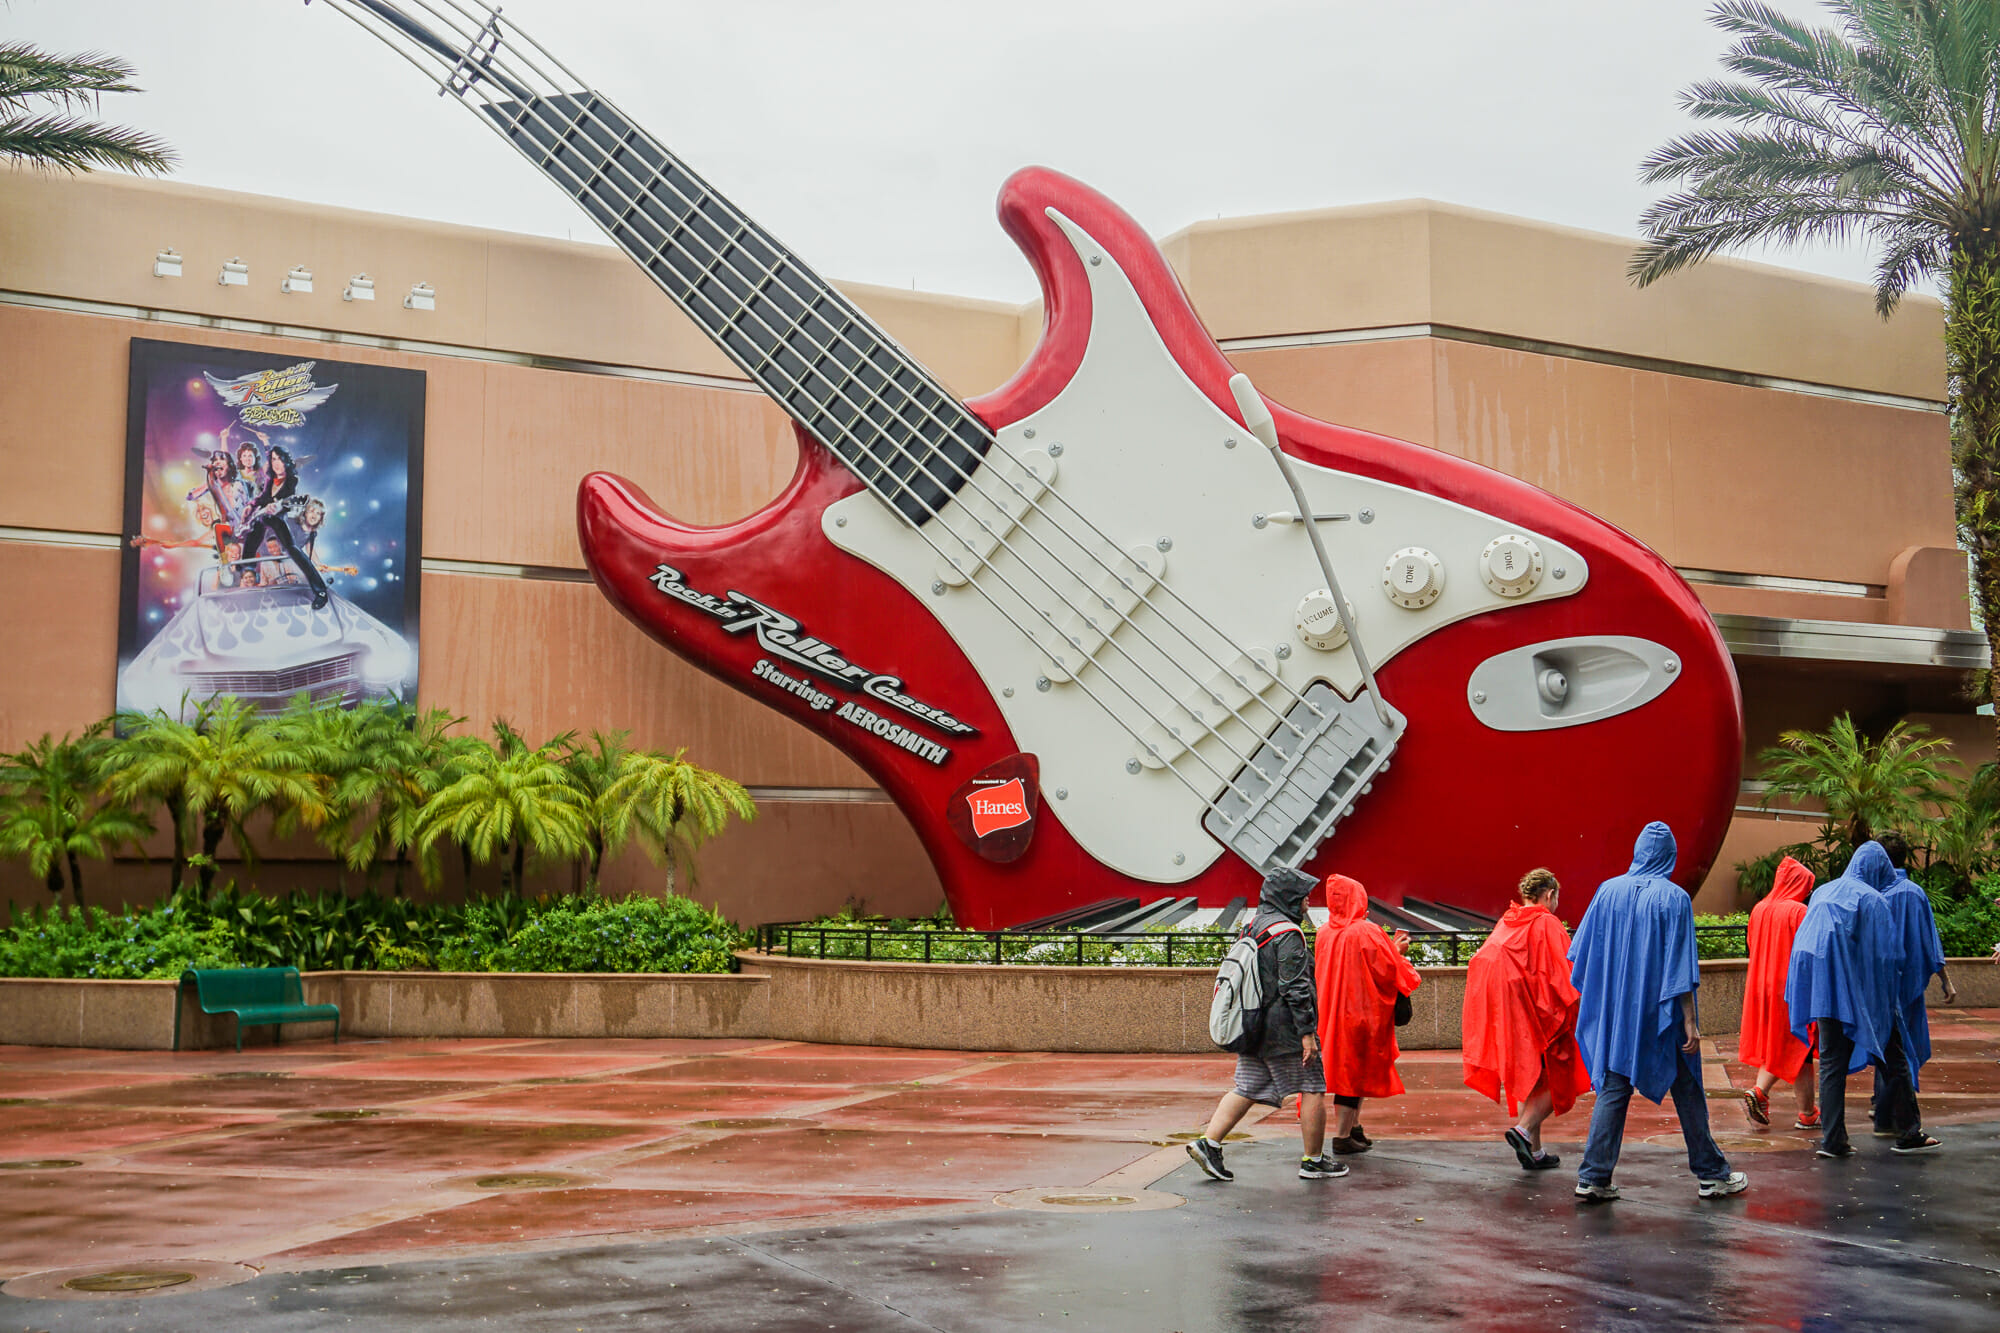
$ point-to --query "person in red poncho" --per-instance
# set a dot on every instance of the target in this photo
(1520, 1019)
(1767, 1044)
(1359, 974)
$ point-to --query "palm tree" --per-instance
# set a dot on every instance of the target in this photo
(215, 773)
(594, 768)
(53, 815)
(1865, 787)
(1884, 127)
(1961, 839)
(670, 806)
(510, 798)
(41, 96)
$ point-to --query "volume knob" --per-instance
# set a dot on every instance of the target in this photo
(1413, 578)
(1318, 621)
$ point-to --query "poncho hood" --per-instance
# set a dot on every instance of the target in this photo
(1285, 892)
(1346, 900)
(1654, 853)
(1794, 883)
(1872, 866)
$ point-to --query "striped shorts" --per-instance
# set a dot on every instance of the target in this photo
(1269, 1081)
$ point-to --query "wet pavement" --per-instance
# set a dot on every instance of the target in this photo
(583, 1185)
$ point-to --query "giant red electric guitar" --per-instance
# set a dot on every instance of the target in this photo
(1121, 628)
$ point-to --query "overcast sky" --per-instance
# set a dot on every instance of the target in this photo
(871, 135)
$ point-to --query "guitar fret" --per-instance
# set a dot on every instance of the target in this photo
(754, 284)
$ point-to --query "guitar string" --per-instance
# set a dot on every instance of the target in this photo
(852, 317)
(861, 414)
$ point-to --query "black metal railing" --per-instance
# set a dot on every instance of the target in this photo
(1142, 948)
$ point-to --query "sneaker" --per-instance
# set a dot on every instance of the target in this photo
(1915, 1142)
(1734, 1183)
(1758, 1106)
(1807, 1120)
(1524, 1153)
(1208, 1156)
(1360, 1136)
(1547, 1161)
(1347, 1147)
(1596, 1193)
(1322, 1167)
(1844, 1150)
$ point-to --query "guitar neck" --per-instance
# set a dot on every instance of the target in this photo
(810, 349)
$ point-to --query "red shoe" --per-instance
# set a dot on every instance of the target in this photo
(1758, 1105)
(1807, 1120)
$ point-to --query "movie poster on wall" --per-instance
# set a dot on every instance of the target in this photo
(272, 515)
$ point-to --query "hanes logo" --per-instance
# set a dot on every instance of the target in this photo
(1003, 806)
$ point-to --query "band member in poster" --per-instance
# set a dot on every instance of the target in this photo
(276, 507)
(215, 530)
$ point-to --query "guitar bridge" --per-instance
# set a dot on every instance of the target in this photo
(1316, 764)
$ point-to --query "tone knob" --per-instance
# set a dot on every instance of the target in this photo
(1413, 579)
(1511, 565)
(1318, 623)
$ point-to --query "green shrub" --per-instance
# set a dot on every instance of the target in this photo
(589, 934)
(329, 932)
(1715, 944)
(129, 946)
(1968, 926)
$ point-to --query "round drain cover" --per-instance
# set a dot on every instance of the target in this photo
(524, 1180)
(1091, 1200)
(251, 1073)
(1742, 1142)
(358, 1113)
(555, 1080)
(749, 1122)
(135, 1281)
(130, 1279)
(41, 1164)
(18, 1101)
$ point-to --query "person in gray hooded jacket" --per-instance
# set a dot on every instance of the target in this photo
(1287, 1061)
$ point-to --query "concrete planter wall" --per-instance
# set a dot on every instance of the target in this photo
(945, 1006)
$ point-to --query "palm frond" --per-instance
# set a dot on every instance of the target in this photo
(69, 143)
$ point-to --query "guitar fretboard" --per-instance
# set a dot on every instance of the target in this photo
(804, 343)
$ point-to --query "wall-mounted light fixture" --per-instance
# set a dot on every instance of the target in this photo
(299, 280)
(167, 264)
(423, 296)
(235, 273)
(360, 287)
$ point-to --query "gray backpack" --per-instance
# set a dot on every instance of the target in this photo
(1236, 1013)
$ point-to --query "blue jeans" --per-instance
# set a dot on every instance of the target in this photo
(1607, 1127)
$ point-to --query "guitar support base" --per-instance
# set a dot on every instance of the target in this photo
(1277, 821)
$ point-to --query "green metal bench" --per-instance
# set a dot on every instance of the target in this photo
(258, 996)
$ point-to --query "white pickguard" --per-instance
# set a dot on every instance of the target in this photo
(1144, 458)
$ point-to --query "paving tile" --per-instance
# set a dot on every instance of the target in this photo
(809, 1049)
(425, 1147)
(57, 1219)
(797, 1070)
(886, 1161)
(1132, 1115)
(48, 1129)
(496, 1066)
(272, 1095)
(52, 1083)
(540, 1214)
(662, 1048)
(635, 1101)
(1154, 1072)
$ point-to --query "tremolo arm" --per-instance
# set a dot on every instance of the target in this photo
(1324, 755)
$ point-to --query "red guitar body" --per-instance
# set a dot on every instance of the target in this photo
(1465, 810)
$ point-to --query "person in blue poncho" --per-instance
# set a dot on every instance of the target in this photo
(1846, 962)
(1635, 966)
(1923, 958)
